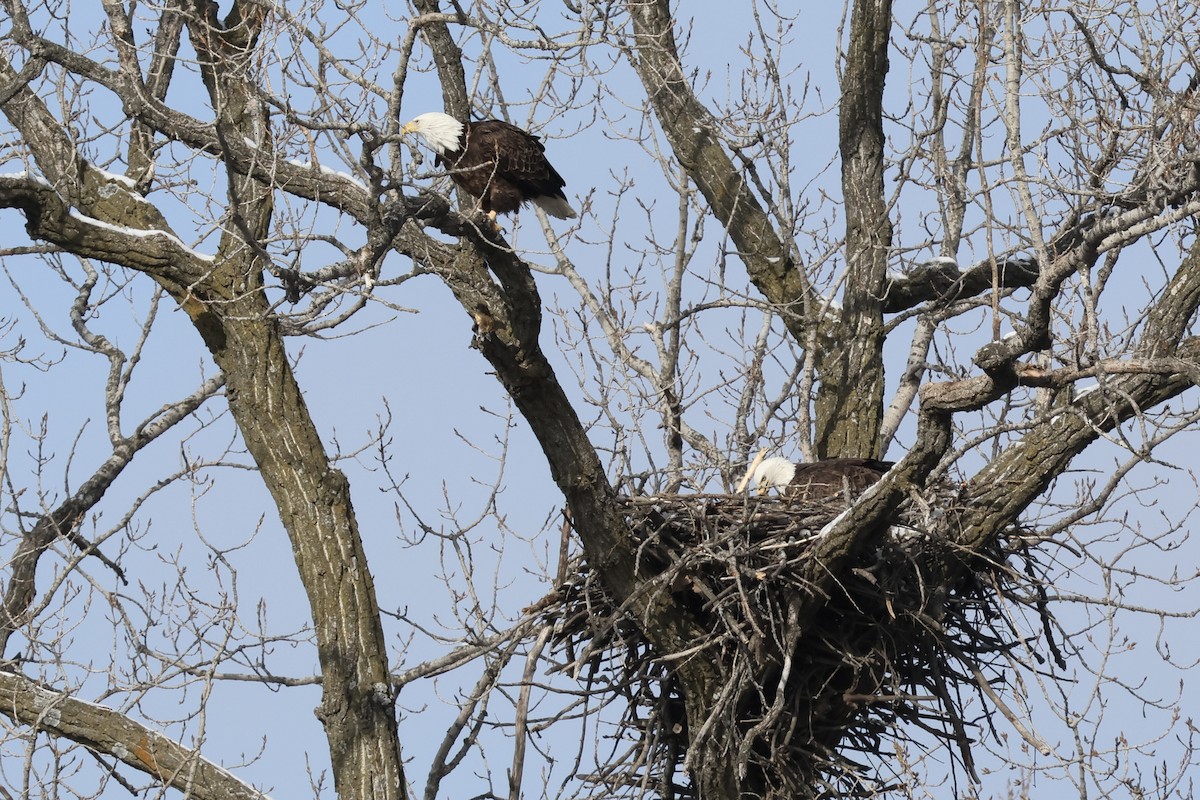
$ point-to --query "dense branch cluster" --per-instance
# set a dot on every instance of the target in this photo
(812, 706)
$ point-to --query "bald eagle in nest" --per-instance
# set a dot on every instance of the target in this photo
(499, 163)
(819, 480)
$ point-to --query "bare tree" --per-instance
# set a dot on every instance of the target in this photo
(996, 287)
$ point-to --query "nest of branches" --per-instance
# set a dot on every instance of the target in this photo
(811, 701)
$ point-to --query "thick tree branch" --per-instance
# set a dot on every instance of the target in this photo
(693, 133)
(448, 58)
(48, 218)
(942, 282)
(1006, 486)
(167, 39)
(113, 733)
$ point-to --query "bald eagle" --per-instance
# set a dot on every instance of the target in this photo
(818, 480)
(499, 163)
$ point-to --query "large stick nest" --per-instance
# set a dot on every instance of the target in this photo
(893, 653)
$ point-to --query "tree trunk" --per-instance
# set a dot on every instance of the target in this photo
(357, 706)
(849, 406)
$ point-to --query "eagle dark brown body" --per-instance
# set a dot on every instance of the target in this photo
(835, 476)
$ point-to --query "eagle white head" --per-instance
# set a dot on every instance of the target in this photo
(441, 132)
(773, 473)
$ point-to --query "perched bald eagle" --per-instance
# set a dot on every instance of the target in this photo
(818, 480)
(499, 163)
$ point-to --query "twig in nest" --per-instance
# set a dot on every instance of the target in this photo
(741, 487)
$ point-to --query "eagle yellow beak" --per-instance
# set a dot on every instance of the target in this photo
(408, 128)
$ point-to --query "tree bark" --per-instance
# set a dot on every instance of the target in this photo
(849, 405)
(357, 706)
(113, 733)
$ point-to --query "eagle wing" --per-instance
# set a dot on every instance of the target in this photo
(519, 157)
(821, 480)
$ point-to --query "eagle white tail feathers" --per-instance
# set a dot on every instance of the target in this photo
(555, 206)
